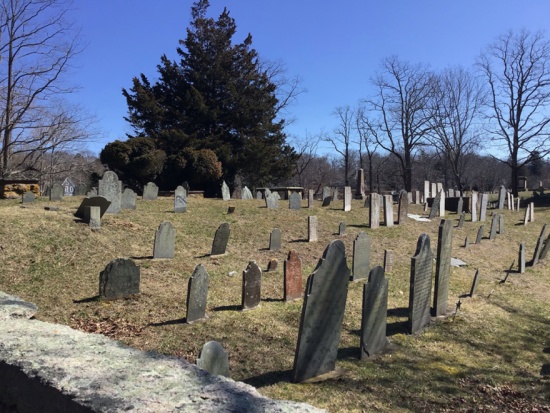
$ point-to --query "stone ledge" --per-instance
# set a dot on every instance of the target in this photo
(53, 368)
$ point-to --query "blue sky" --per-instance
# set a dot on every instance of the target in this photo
(335, 47)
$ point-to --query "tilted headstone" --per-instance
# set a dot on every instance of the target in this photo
(150, 192)
(259, 195)
(479, 235)
(310, 194)
(326, 201)
(388, 261)
(226, 196)
(544, 251)
(403, 207)
(420, 286)
(527, 214)
(293, 277)
(272, 201)
(272, 264)
(374, 211)
(342, 228)
(467, 242)
(312, 229)
(474, 283)
(347, 199)
(360, 188)
(119, 279)
(388, 210)
(493, 229)
(500, 226)
(99, 201)
(322, 315)
(111, 189)
(92, 216)
(246, 194)
(483, 207)
(461, 220)
(361, 257)
(180, 200)
(28, 197)
(275, 240)
(501, 197)
(165, 238)
(443, 267)
(56, 192)
(435, 206)
(219, 244)
(276, 195)
(230, 209)
(214, 359)
(252, 286)
(294, 201)
(521, 258)
(197, 293)
(129, 199)
(474, 206)
(538, 247)
(375, 309)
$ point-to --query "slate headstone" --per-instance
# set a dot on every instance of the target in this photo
(28, 197)
(538, 247)
(326, 201)
(474, 283)
(259, 195)
(327, 193)
(461, 220)
(501, 197)
(360, 188)
(226, 196)
(119, 279)
(272, 264)
(388, 210)
(293, 277)
(129, 199)
(180, 200)
(165, 238)
(272, 201)
(56, 192)
(214, 359)
(275, 240)
(99, 201)
(322, 315)
(111, 189)
(388, 261)
(294, 201)
(361, 257)
(347, 199)
(493, 229)
(186, 186)
(252, 286)
(420, 286)
(219, 244)
(375, 308)
(197, 293)
(150, 192)
(312, 229)
(435, 206)
(403, 207)
(479, 235)
(342, 228)
(467, 242)
(443, 267)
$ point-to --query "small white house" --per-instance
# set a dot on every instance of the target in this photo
(68, 187)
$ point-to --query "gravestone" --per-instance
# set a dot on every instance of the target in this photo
(180, 200)
(532, 212)
(129, 199)
(527, 214)
(334, 192)
(267, 192)
(225, 192)
(294, 201)
(272, 201)
(360, 188)
(230, 209)
(460, 205)
(433, 189)
(111, 189)
(28, 197)
(518, 203)
(388, 261)
(409, 198)
(483, 207)
(312, 229)
(326, 201)
(342, 228)
(322, 315)
(56, 192)
(374, 211)
(275, 240)
(99, 201)
(252, 286)
(150, 192)
(92, 192)
(416, 197)
(214, 359)
(501, 197)
(474, 283)
(493, 229)
(293, 277)
(426, 190)
(435, 206)
(237, 193)
(272, 264)
(442, 204)
(467, 242)
(259, 195)
(538, 247)
(347, 199)
(310, 194)
(443, 267)
(521, 258)
(119, 279)
(403, 207)
(461, 220)
(276, 195)
(361, 257)
(479, 235)
(197, 293)
(246, 194)
(500, 226)
(375, 308)
(219, 244)
(439, 187)
(92, 216)
(327, 193)
(165, 238)
(474, 206)
(420, 286)
(388, 210)
(545, 249)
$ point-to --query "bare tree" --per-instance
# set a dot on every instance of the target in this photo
(367, 139)
(342, 138)
(402, 102)
(37, 45)
(306, 150)
(517, 68)
(457, 105)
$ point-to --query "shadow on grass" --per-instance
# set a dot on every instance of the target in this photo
(300, 240)
(398, 312)
(358, 225)
(168, 323)
(270, 378)
(348, 353)
(398, 327)
(273, 300)
(545, 370)
(203, 256)
(145, 257)
(87, 300)
(228, 308)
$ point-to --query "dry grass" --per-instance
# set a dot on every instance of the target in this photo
(494, 355)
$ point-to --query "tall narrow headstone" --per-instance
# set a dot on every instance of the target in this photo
(295, 201)
(545, 249)
(375, 308)
(197, 293)
(538, 247)
(312, 229)
(347, 199)
(388, 210)
(435, 206)
(361, 257)
(180, 200)
(500, 224)
(416, 197)
(442, 204)
(532, 212)
(501, 197)
(111, 189)
(483, 207)
(521, 258)
(443, 267)
(214, 359)
(150, 191)
(374, 211)
(226, 195)
(322, 315)
(360, 188)
(334, 193)
(388, 261)
(129, 199)
(327, 195)
(92, 216)
(275, 240)
(219, 244)
(518, 203)
(426, 190)
(403, 207)
(474, 283)
(433, 189)
(420, 286)
(527, 214)
(310, 194)
(119, 279)
(461, 220)
(56, 192)
(474, 206)
(460, 205)
(479, 235)
(165, 238)
(293, 277)
(252, 286)
(493, 229)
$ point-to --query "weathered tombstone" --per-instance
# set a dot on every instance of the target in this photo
(521, 258)
(197, 293)
(111, 189)
(409, 198)
(493, 229)
(416, 197)
(225, 192)
(272, 264)
(375, 308)
(246, 194)
(420, 286)
(219, 244)
(538, 247)
(461, 220)
(527, 214)
(342, 228)
(474, 206)
(294, 201)
(442, 204)
(501, 197)
(403, 207)
(388, 261)
(500, 226)
(327, 193)
(293, 277)
(451, 192)
(230, 209)
(312, 229)
(545, 249)
(479, 235)
(165, 238)
(310, 194)
(276, 195)
(360, 188)
(518, 203)
(28, 197)
(388, 210)
(99, 201)
(433, 189)
(267, 192)
(374, 211)
(334, 194)
(259, 195)
(474, 283)
(347, 199)
(361, 257)
(119, 279)
(56, 192)
(443, 267)
(275, 240)
(150, 192)
(460, 205)
(483, 207)
(326, 201)
(467, 242)
(252, 286)
(439, 187)
(180, 200)
(128, 200)
(435, 206)
(214, 359)
(426, 190)
(237, 193)
(322, 315)
(92, 216)
(272, 201)
(532, 212)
